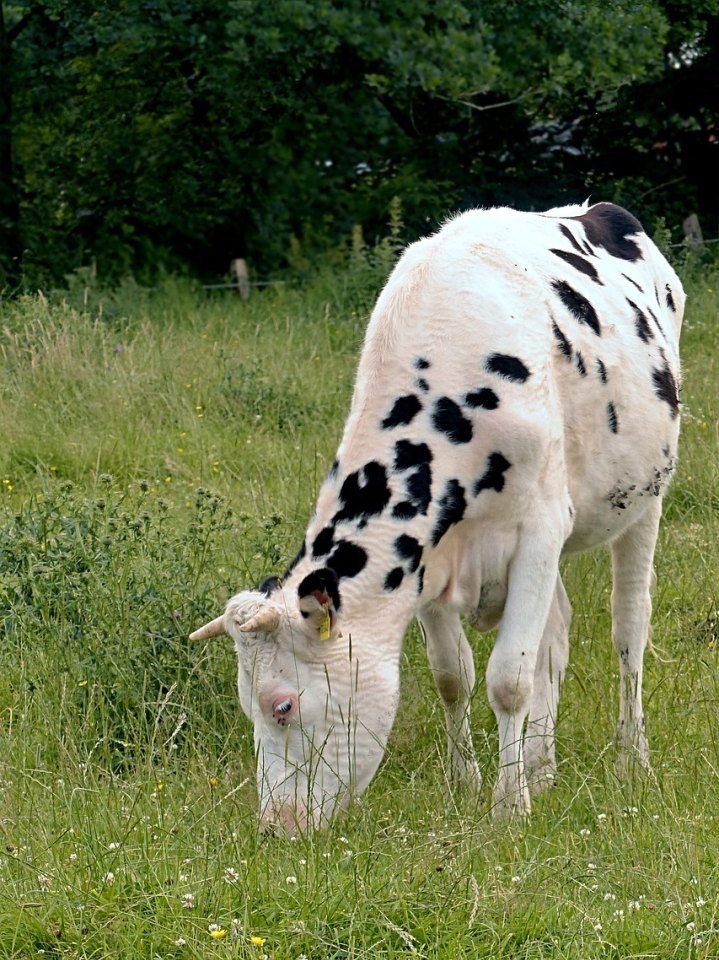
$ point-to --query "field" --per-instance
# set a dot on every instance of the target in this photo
(162, 449)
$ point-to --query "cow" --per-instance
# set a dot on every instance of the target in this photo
(516, 399)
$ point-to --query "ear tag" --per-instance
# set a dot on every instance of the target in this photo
(325, 623)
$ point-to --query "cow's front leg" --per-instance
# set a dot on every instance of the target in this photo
(632, 576)
(452, 663)
(512, 664)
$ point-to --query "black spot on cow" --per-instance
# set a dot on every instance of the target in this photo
(633, 282)
(612, 417)
(578, 305)
(507, 366)
(447, 417)
(493, 477)
(670, 299)
(269, 585)
(403, 411)
(564, 344)
(570, 236)
(408, 454)
(394, 578)
(407, 548)
(579, 263)
(665, 387)
(299, 556)
(609, 226)
(579, 359)
(483, 398)
(418, 485)
(421, 364)
(420, 580)
(602, 370)
(452, 505)
(654, 317)
(323, 580)
(421, 384)
(364, 494)
(347, 559)
(323, 543)
(332, 473)
(644, 331)
(405, 510)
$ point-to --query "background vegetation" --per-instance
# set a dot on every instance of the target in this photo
(150, 134)
(162, 449)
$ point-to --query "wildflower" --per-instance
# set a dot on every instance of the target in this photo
(109, 878)
(619, 913)
(180, 942)
(584, 832)
(231, 875)
(73, 857)
(44, 881)
(691, 925)
(216, 931)
(188, 901)
(291, 880)
(598, 927)
(257, 941)
(633, 906)
(516, 879)
(700, 902)
(591, 867)
(119, 348)
(610, 896)
(601, 817)
(113, 846)
(213, 781)
(182, 878)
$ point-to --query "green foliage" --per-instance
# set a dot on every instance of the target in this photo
(154, 134)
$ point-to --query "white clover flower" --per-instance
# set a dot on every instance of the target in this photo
(182, 878)
(619, 913)
(700, 902)
(690, 925)
(598, 927)
(516, 879)
(109, 878)
(591, 866)
(584, 832)
(44, 881)
(291, 880)
(633, 906)
(231, 875)
(180, 942)
(610, 896)
(188, 901)
(302, 862)
(73, 857)
(594, 887)
(113, 846)
(601, 817)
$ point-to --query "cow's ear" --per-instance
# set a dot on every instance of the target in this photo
(319, 603)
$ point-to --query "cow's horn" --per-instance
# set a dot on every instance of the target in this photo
(215, 628)
(265, 620)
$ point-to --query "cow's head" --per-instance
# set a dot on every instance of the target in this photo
(321, 700)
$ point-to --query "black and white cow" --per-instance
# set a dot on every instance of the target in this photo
(516, 399)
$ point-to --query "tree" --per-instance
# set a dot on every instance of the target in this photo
(171, 132)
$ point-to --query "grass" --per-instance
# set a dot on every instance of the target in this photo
(163, 449)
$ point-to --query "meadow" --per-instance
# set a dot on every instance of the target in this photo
(162, 449)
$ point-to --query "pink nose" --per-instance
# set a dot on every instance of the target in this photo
(285, 820)
(284, 708)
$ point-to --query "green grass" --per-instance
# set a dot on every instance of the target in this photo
(127, 797)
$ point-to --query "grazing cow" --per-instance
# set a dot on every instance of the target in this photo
(516, 399)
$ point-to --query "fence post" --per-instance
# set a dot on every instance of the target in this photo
(692, 231)
(239, 269)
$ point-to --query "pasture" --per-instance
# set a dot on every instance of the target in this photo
(161, 450)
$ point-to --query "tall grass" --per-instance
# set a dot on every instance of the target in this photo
(163, 449)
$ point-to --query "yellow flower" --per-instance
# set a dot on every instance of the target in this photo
(213, 781)
(218, 934)
(257, 941)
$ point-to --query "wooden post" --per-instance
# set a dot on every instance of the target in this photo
(692, 231)
(239, 269)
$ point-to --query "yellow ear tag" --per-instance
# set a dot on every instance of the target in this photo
(325, 623)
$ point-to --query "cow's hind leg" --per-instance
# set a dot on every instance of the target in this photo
(539, 752)
(632, 575)
(450, 657)
(513, 661)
